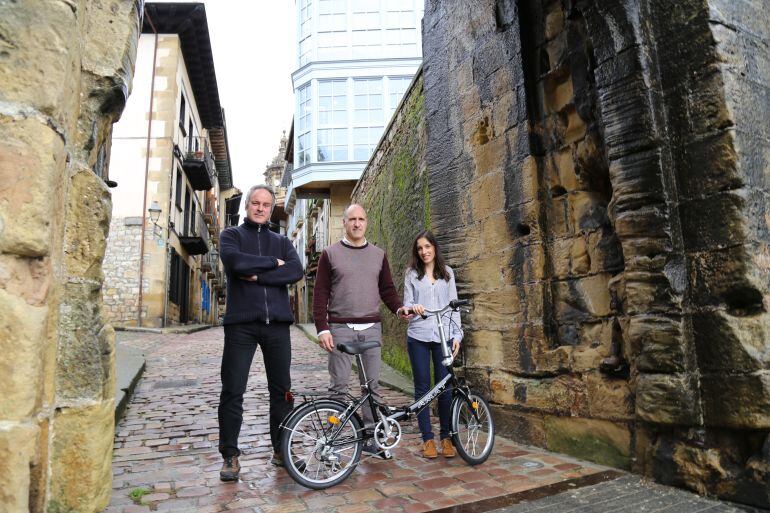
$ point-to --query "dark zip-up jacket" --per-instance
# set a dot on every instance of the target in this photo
(252, 249)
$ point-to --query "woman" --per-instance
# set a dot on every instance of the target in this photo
(430, 284)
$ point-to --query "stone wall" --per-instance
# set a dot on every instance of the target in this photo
(394, 190)
(121, 271)
(65, 74)
(598, 176)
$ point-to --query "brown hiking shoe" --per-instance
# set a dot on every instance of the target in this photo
(230, 469)
(447, 449)
(277, 460)
(429, 449)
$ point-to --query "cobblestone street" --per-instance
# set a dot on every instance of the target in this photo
(166, 445)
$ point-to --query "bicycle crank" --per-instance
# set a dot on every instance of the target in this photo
(387, 434)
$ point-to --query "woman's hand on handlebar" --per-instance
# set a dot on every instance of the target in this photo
(418, 310)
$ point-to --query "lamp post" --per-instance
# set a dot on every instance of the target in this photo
(155, 211)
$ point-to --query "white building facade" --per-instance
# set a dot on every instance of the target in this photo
(355, 60)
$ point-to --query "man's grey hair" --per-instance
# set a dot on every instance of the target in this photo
(347, 210)
(256, 188)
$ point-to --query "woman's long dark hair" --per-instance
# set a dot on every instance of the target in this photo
(439, 268)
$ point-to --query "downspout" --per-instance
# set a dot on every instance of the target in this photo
(167, 253)
(146, 173)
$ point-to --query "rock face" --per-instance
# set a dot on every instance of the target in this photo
(598, 178)
(66, 70)
(394, 190)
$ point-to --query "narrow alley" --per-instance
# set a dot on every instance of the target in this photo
(166, 455)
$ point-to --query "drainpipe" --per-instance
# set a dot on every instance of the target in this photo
(146, 173)
(167, 252)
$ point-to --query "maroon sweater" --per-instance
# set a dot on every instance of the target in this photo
(349, 284)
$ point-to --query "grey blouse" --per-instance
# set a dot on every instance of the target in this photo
(432, 296)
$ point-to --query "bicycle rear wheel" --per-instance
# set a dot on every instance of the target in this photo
(473, 435)
(318, 449)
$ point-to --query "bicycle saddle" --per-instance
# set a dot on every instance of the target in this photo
(357, 348)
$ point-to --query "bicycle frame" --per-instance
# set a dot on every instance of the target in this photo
(449, 381)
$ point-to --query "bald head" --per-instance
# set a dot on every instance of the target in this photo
(354, 221)
(350, 207)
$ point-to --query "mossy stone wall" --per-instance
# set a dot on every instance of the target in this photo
(394, 191)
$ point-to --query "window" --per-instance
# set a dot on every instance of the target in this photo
(367, 116)
(332, 102)
(305, 122)
(178, 189)
(174, 281)
(401, 28)
(332, 144)
(305, 31)
(396, 88)
(332, 120)
(367, 33)
(182, 109)
(332, 29)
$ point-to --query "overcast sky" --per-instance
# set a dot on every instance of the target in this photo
(254, 55)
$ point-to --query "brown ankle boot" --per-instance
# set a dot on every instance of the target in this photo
(429, 449)
(230, 469)
(447, 448)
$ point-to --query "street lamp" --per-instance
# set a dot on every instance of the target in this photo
(155, 211)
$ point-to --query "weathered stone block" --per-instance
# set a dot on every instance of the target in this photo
(588, 211)
(524, 263)
(21, 368)
(711, 166)
(561, 395)
(667, 399)
(576, 300)
(88, 225)
(507, 307)
(730, 344)
(81, 470)
(740, 215)
(659, 342)
(603, 442)
(41, 33)
(734, 277)
(488, 195)
(649, 293)
(609, 399)
(80, 371)
(605, 253)
(525, 427)
(18, 452)
(739, 401)
(31, 158)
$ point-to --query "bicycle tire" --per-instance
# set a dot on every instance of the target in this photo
(307, 459)
(473, 439)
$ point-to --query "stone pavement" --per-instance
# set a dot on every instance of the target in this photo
(166, 448)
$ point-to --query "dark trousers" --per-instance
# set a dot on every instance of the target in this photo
(241, 342)
(420, 355)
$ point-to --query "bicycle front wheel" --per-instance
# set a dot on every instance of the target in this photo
(319, 449)
(473, 430)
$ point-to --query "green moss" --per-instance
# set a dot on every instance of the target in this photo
(592, 440)
(137, 493)
(398, 204)
(397, 357)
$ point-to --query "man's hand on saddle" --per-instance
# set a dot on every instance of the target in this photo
(326, 341)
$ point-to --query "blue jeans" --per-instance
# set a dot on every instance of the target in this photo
(420, 355)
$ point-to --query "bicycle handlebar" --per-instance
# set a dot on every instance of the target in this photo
(453, 305)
